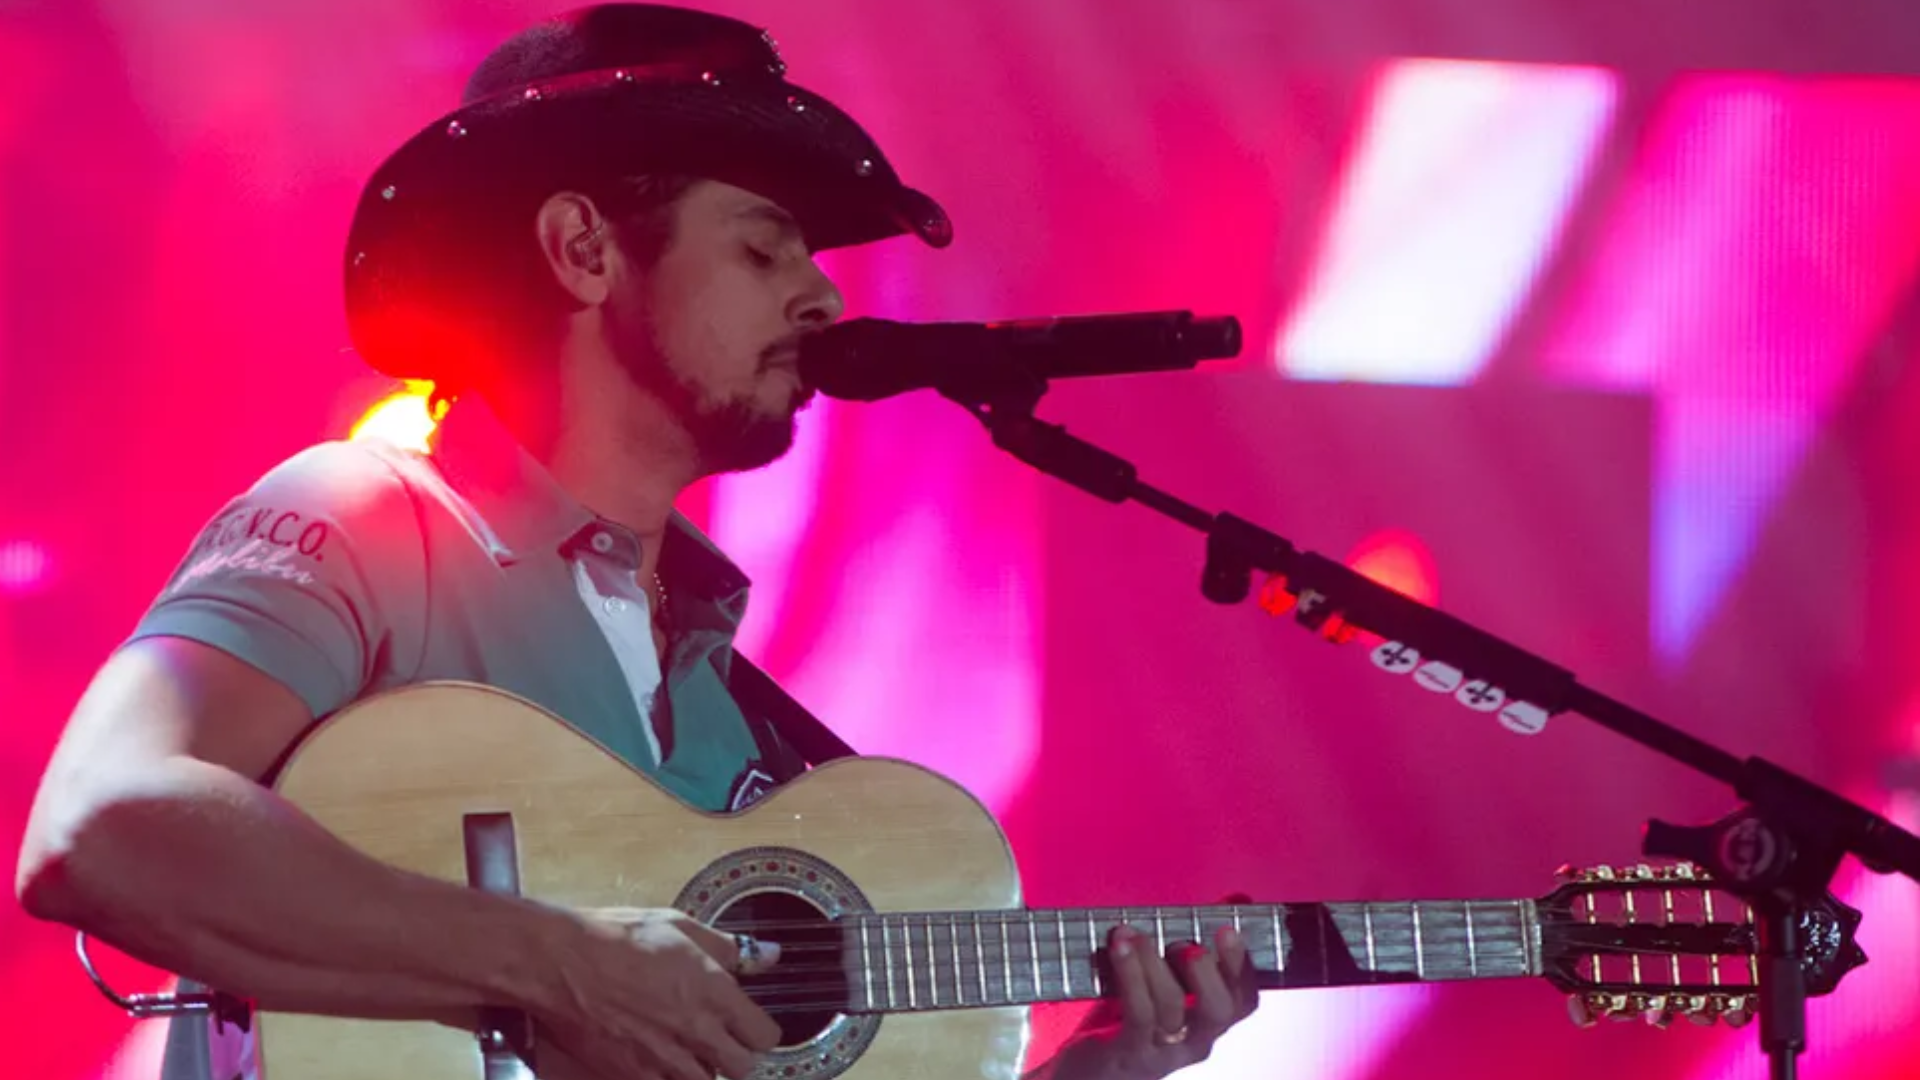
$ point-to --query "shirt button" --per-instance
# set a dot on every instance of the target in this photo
(602, 543)
(614, 605)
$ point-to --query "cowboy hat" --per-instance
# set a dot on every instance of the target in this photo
(594, 95)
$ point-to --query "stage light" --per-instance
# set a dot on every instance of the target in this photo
(1456, 196)
(25, 566)
(1399, 560)
(402, 419)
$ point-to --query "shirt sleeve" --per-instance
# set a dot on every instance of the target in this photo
(316, 576)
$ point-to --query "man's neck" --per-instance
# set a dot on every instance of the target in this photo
(620, 454)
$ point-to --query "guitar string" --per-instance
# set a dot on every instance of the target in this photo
(1500, 914)
(1400, 958)
(1046, 949)
(814, 999)
(788, 995)
(1493, 910)
(1402, 948)
(1402, 963)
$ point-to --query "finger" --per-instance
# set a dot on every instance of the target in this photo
(746, 1020)
(1213, 1001)
(676, 1061)
(1236, 966)
(738, 954)
(719, 944)
(1169, 996)
(1131, 987)
(713, 1044)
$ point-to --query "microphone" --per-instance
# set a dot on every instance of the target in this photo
(870, 359)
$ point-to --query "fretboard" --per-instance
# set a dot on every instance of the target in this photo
(953, 960)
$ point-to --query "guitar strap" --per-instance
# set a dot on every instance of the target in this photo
(778, 721)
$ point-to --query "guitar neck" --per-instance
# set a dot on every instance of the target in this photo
(899, 962)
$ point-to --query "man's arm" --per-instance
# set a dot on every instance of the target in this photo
(151, 833)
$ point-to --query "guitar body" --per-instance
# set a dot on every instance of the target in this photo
(404, 778)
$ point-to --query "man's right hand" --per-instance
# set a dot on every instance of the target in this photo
(654, 997)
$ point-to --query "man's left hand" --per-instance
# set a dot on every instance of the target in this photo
(1171, 1009)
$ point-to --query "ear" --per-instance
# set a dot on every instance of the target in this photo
(575, 240)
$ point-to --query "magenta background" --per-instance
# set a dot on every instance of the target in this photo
(1643, 276)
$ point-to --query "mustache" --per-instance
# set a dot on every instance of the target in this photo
(784, 352)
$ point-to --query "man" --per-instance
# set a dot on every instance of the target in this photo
(607, 254)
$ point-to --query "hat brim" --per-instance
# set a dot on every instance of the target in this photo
(761, 133)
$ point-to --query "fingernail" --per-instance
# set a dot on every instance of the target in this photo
(1229, 938)
(1123, 942)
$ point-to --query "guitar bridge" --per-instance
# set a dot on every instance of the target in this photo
(505, 1036)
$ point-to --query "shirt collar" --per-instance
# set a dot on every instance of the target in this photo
(526, 513)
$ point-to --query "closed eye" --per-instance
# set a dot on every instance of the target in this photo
(759, 258)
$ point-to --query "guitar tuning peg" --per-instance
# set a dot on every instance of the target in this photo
(1739, 1010)
(1585, 874)
(1616, 1007)
(1580, 1012)
(1640, 872)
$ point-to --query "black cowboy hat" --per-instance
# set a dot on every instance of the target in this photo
(591, 96)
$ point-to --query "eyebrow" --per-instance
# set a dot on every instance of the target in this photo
(788, 225)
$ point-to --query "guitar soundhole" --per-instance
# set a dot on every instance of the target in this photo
(807, 990)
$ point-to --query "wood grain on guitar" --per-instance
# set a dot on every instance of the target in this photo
(894, 895)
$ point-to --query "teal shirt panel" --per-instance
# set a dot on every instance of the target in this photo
(399, 582)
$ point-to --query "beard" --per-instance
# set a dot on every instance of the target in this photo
(729, 434)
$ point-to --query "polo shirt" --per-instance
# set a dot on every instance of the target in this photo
(358, 567)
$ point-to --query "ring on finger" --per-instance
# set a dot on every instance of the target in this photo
(755, 956)
(1172, 1038)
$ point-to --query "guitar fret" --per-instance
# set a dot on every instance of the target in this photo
(1528, 953)
(886, 958)
(1198, 937)
(1066, 969)
(906, 950)
(1419, 950)
(866, 962)
(1366, 919)
(1093, 953)
(933, 966)
(1279, 941)
(953, 946)
(1033, 956)
(980, 957)
(1473, 954)
(1159, 931)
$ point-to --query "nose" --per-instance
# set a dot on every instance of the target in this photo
(818, 303)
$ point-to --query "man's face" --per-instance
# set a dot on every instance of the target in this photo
(713, 327)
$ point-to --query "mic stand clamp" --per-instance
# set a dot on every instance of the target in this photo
(1780, 852)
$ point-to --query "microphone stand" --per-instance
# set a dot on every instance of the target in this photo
(1779, 851)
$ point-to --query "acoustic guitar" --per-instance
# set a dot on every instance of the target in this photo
(905, 952)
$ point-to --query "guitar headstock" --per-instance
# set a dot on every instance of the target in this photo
(1665, 942)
